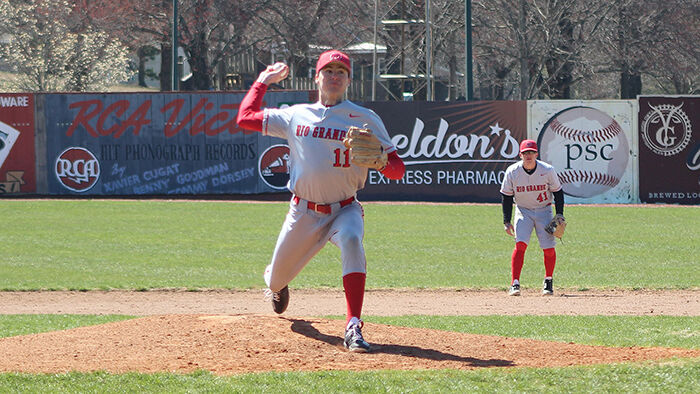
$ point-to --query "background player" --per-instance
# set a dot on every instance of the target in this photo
(531, 184)
(323, 180)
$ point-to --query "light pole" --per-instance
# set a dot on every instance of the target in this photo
(374, 55)
(469, 82)
(428, 54)
(173, 60)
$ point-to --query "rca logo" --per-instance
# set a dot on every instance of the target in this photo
(77, 169)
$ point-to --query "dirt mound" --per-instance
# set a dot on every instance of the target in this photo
(232, 344)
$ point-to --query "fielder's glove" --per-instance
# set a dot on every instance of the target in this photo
(557, 226)
(365, 148)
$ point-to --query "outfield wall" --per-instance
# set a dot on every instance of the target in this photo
(188, 144)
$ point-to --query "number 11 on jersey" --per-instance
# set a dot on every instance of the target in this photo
(342, 158)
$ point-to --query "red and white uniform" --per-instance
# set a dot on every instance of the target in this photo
(532, 194)
(324, 181)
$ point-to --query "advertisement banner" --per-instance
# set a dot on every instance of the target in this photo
(160, 144)
(454, 152)
(17, 151)
(669, 151)
(591, 144)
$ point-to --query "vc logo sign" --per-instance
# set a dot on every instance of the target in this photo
(77, 169)
(666, 129)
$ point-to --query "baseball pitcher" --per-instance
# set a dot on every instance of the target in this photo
(332, 144)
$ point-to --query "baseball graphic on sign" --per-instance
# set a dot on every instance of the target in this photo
(587, 147)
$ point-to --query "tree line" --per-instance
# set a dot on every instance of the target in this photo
(522, 49)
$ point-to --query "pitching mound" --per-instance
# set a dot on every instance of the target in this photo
(233, 344)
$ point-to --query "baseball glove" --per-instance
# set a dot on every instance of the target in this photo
(557, 226)
(365, 148)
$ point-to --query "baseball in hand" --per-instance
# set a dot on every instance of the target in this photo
(279, 67)
(274, 73)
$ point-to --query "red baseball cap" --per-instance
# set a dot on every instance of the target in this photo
(333, 56)
(528, 145)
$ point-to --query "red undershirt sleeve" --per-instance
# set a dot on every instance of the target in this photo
(250, 116)
(395, 167)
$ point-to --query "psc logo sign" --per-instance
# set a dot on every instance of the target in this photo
(77, 169)
(588, 148)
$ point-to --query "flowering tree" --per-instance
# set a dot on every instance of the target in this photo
(48, 55)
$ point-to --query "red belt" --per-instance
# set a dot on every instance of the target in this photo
(323, 208)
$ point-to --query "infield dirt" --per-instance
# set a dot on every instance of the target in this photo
(231, 332)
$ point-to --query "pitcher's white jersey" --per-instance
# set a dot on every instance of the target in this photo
(531, 191)
(320, 167)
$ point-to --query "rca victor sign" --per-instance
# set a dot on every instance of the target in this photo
(157, 144)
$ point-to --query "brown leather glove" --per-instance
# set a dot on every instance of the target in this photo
(365, 148)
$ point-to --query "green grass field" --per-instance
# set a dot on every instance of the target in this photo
(95, 244)
(92, 244)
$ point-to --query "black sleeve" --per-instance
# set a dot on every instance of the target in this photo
(559, 202)
(507, 205)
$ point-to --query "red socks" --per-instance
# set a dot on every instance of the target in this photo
(518, 257)
(354, 286)
(550, 260)
(516, 260)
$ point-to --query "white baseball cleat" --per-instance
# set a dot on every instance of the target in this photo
(514, 290)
